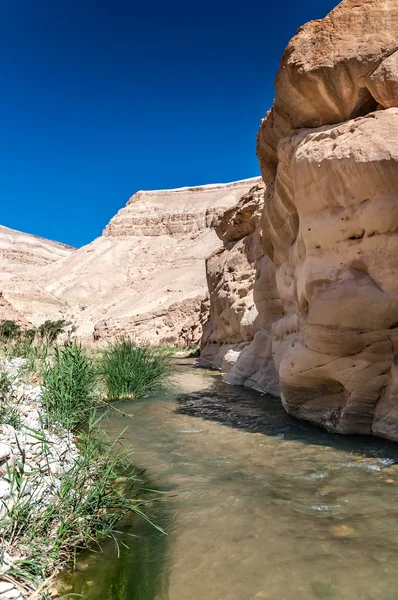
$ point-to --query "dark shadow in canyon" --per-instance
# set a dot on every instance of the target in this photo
(253, 412)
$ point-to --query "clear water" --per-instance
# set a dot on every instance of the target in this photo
(260, 506)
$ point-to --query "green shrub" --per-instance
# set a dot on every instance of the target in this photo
(29, 335)
(50, 330)
(9, 330)
(68, 386)
(130, 371)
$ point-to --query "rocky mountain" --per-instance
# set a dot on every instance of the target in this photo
(144, 277)
(304, 300)
(21, 252)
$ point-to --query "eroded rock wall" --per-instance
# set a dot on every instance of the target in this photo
(337, 271)
(243, 299)
(144, 277)
(328, 151)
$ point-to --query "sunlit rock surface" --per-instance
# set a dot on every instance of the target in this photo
(328, 151)
(20, 252)
(144, 277)
(243, 300)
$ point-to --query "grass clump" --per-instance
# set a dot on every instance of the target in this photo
(68, 386)
(9, 413)
(131, 371)
(97, 490)
(62, 503)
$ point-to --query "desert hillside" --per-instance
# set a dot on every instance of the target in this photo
(22, 252)
(145, 276)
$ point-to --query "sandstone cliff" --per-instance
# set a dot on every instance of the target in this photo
(327, 234)
(243, 299)
(145, 275)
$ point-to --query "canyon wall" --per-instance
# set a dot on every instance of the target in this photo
(315, 280)
(144, 277)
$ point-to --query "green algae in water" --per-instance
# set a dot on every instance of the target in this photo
(263, 507)
(118, 572)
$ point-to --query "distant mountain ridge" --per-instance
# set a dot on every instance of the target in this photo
(144, 277)
(21, 251)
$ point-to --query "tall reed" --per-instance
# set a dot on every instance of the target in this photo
(69, 386)
(131, 371)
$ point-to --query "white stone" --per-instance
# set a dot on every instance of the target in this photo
(7, 558)
(5, 451)
(4, 493)
(12, 594)
(5, 586)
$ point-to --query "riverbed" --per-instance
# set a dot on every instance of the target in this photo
(259, 505)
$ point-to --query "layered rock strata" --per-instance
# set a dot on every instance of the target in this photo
(21, 252)
(144, 277)
(328, 151)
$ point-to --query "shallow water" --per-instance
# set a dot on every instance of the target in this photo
(261, 506)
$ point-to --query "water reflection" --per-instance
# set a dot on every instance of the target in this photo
(263, 506)
(247, 410)
(127, 567)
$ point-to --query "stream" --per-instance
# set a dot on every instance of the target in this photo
(260, 506)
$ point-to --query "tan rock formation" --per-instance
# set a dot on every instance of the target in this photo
(329, 73)
(329, 225)
(8, 313)
(145, 276)
(20, 252)
(243, 300)
(337, 278)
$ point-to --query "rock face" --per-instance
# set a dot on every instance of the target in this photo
(334, 69)
(328, 151)
(20, 252)
(337, 279)
(243, 299)
(8, 313)
(20, 255)
(145, 275)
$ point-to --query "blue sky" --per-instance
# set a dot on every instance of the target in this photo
(100, 98)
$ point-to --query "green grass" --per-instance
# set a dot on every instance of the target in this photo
(9, 413)
(131, 371)
(100, 487)
(94, 494)
(68, 387)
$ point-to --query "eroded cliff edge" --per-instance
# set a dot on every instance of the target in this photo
(144, 277)
(304, 302)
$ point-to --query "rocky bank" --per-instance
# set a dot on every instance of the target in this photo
(304, 293)
(32, 460)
